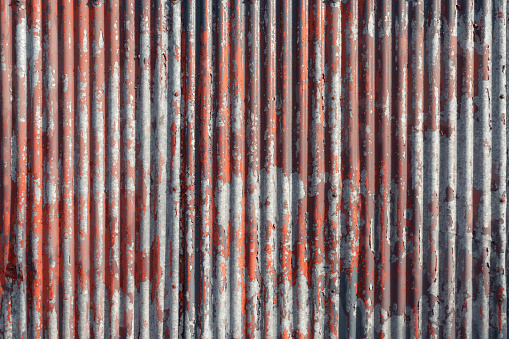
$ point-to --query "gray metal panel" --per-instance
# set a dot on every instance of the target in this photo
(248, 168)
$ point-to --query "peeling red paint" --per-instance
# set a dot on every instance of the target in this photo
(294, 168)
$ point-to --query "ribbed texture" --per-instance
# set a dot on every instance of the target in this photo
(253, 168)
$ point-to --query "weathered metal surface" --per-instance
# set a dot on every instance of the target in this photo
(253, 168)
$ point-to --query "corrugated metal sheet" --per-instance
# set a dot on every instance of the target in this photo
(253, 168)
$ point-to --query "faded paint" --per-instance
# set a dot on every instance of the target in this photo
(231, 168)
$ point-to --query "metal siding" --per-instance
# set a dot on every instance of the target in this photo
(249, 168)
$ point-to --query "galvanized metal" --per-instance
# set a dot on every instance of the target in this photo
(293, 168)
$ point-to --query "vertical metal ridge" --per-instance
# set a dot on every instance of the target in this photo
(113, 172)
(300, 182)
(367, 162)
(83, 235)
(481, 191)
(35, 105)
(143, 170)
(465, 177)
(253, 142)
(400, 165)
(237, 81)
(191, 286)
(67, 92)
(333, 44)
(383, 99)
(498, 303)
(503, 199)
(448, 176)
(174, 245)
(159, 149)
(431, 168)
(229, 168)
(8, 269)
(20, 161)
(284, 24)
(351, 164)
(416, 162)
(206, 122)
(268, 175)
(97, 170)
(51, 170)
(221, 171)
(128, 163)
(317, 189)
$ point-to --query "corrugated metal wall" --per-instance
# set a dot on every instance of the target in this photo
(253, 168)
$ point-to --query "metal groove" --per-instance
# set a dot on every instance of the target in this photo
(232, 168)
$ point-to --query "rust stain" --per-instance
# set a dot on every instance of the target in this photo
(232, 168)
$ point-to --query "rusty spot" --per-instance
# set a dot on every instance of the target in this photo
(14, 272)
(446, 128)
(449, 194)
(309, 145)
